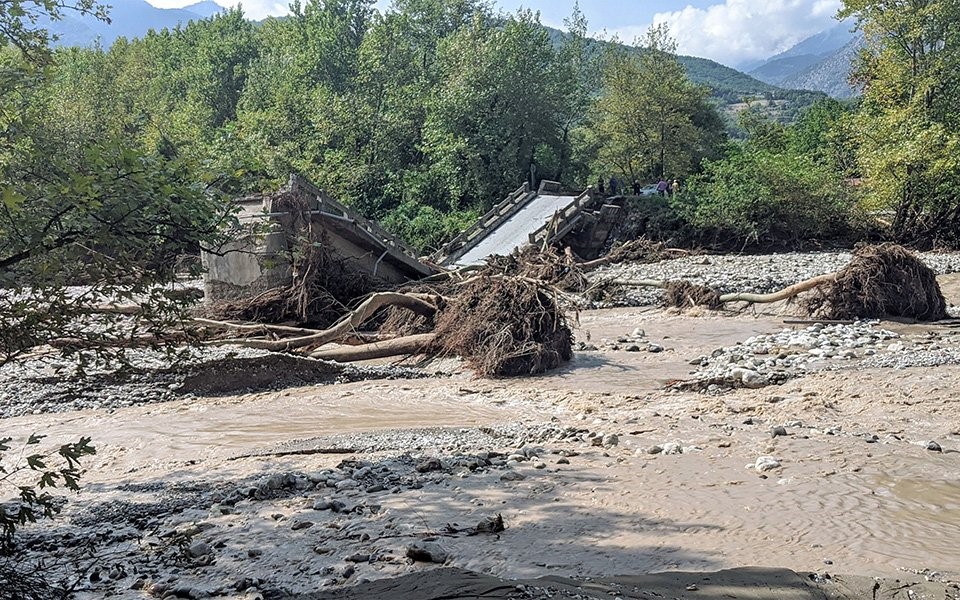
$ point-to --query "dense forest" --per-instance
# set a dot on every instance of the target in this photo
(426, 114)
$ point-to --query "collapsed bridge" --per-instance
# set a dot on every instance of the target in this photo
(526, 217)
(263, 257)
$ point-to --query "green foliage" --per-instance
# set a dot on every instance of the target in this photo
(84, 206)
(20, 22)
(650, 120)
(48, 470)
(498, 102)
(783, 186)
(907, 128)
(426, 227)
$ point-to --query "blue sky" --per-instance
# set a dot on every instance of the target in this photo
(729, 31)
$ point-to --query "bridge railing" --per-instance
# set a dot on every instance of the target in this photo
(563, 221)
(491, 220)
(330, 206)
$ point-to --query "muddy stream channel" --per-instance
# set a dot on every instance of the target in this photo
(857, 488)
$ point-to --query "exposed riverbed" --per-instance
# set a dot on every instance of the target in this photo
(606, 467)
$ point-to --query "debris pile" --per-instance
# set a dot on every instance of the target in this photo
(880, 281)
(548, 266)
(505, 327)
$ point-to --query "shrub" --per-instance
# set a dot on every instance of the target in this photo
(765, 198)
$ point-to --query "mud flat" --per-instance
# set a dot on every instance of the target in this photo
(841, 480)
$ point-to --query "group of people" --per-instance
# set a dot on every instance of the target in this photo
(664, 187)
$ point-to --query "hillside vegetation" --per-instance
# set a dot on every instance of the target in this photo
(425, 116)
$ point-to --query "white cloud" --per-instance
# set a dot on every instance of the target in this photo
(742, 30)
(254, 9)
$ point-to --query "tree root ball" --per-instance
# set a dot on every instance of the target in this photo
(505, 327)
(881, 281)
(684, 294)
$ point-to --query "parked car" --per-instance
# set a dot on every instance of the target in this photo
(649, 190)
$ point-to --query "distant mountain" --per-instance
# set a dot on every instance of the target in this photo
(727, 84)
(205, 9)
(830, 75)
(825, 42)
(129, 18)
(820, 62)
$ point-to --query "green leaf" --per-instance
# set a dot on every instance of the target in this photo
(11, 198)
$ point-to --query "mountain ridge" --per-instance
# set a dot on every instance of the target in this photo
(820, 62)
(131, 18)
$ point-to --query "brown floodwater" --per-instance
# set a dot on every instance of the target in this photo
(869, 509)
(207, 428)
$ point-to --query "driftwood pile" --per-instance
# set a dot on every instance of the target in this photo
(501, 326)
(505, 326)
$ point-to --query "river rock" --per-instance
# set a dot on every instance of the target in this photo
(766, 463)
(431, 552)
(672, 448)
(512, 476)
(429, 465)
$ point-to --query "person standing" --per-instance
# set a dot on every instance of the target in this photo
(636, 187)
(662, 187)
(600, 187)
(614, 185)
(675, 188)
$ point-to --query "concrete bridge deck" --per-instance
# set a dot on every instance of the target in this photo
(525, 217)
(514, 232)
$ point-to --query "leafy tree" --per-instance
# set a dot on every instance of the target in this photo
(497, 105)
(20, 22)
(907, 128)
(80, 207)
(650, 120)
(578, 78)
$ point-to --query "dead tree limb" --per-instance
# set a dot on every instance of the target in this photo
(254, 327)
(413, 344)
(626, 251)
(115, 309)
(138, 341)
(657, 283)
(422, 304)
(784, 294)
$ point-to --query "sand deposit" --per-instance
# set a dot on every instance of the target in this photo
(574, 484)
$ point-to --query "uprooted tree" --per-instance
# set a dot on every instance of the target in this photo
(881, 281)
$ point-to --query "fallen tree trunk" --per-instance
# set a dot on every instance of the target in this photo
(423, 304)
(414, 344)
(787, 292)
(784, 294)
